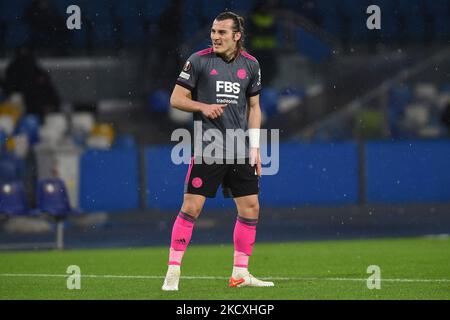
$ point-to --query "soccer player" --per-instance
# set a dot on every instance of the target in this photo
(221, 86)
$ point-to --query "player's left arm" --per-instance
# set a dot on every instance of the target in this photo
(254, 125)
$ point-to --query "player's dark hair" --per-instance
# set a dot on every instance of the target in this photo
(238, 26)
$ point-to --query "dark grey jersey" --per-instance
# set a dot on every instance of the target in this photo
(213, 80)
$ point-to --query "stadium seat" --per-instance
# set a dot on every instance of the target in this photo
(18, 145)
(29, 125)
(12, 109)
(57, 121)
(11, 168)
(13, 200)
(7, 124)
(49, 135)
(399, 97)
(104, 130)
(101, 137)
(416, 116)
(83, 121)
(426, 92)
(52, 199)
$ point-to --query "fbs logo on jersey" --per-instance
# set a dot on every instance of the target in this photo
(227, 91)
(228, 87)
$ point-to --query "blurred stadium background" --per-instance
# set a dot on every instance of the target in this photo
(364, 118)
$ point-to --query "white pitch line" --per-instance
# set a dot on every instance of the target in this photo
(109, 276)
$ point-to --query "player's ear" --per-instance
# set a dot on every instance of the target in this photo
(237, 36)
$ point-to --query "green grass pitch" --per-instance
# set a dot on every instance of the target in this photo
(417, 268)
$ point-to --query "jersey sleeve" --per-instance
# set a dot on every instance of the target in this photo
(189, 74)
(255, 82)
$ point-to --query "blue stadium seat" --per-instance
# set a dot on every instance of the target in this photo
(399, 97)
(52, 198)
(11, 168)
(13, 200)
(29, 125)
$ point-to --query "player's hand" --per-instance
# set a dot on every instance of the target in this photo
(213, 111)
(255, 159)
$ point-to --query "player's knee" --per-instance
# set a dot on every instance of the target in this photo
(254, 208)
(251, 211)
(191, 209)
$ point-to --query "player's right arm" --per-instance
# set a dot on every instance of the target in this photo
(181, 99)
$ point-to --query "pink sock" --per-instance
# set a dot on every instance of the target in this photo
(244, 238)
(181, 236)
(240, 259)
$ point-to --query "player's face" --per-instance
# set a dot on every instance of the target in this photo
(224, 39)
